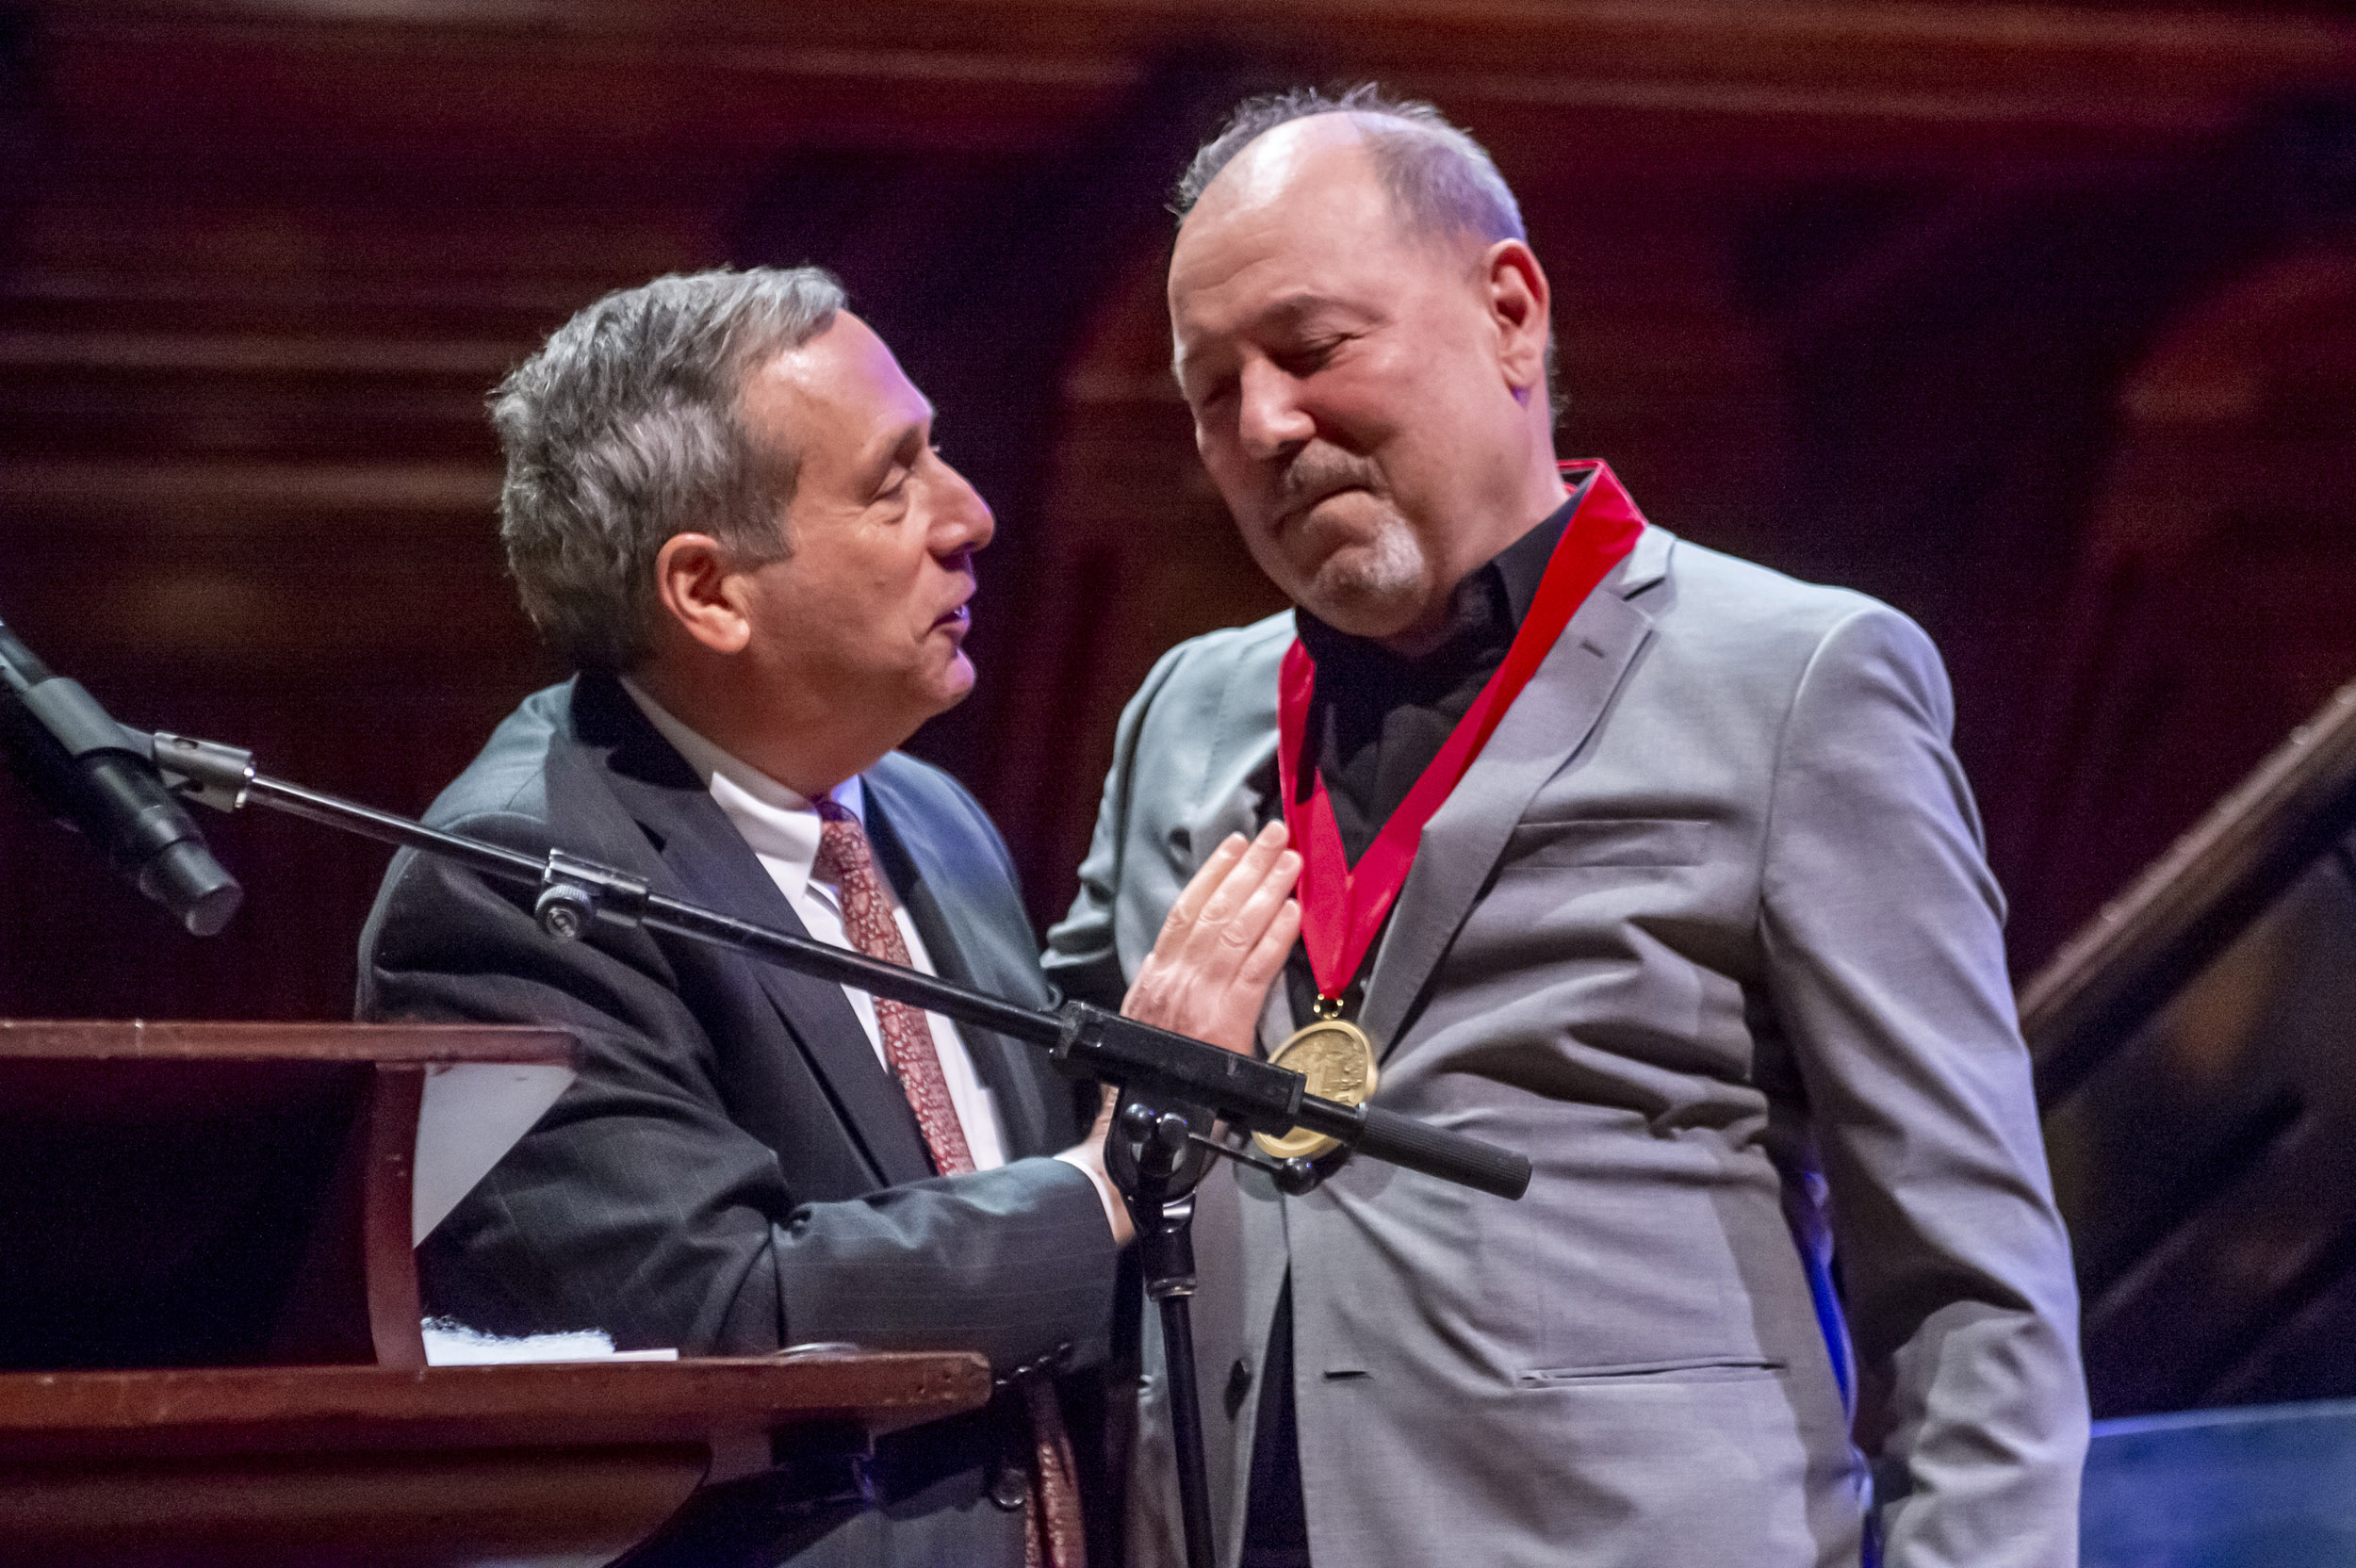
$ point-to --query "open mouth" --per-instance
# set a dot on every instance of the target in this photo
(960, 616)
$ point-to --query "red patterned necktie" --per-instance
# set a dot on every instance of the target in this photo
(1052, 1532)
(844, 859)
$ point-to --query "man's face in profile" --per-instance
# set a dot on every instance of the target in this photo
(1344, 377)
(869, 607)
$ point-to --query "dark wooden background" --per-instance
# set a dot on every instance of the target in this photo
(2038, 321)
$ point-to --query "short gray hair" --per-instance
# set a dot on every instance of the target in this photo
(624, 431)
(1440, 182)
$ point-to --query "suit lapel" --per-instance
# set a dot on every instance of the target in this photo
(896, 826)
(1238, 785)
(1240, 810)
(1465, 839)
(715, 866)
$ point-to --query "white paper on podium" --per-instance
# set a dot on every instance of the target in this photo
(448, 1344)
(473, 1113)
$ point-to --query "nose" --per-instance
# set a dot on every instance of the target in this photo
(961, 519)
(1270, 420)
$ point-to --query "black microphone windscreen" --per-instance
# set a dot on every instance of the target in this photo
(110, 793)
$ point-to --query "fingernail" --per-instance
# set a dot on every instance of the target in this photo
(1270, 833)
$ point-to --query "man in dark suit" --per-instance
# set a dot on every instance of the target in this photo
(722, 503)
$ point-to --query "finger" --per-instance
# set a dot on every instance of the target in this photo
(1267, 959)
(1235, 889)
(1241, 932)
(1198, 891)
(1148, 995)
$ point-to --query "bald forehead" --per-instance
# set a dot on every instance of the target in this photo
(1316, 147)
(1344, 161)
(1318, 153)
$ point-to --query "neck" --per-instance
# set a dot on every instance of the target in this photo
(1427, 634)
(1539, 493)
(808, 747)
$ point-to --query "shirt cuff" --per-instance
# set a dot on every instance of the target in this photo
(1106, 1193)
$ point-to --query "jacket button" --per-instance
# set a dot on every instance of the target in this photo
(1011, 1488)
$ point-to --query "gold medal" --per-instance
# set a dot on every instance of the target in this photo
(1337, 1059)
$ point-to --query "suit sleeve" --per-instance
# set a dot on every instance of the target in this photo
(1883, 932)
(637, 1205)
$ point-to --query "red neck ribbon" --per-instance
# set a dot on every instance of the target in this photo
(1342, 906)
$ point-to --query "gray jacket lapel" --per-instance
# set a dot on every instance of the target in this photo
(1240, 775)
(1240, 809)
(1539, 734)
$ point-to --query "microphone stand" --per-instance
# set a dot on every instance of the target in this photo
(1176, 1091)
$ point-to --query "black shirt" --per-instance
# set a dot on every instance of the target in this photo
(1376, 720)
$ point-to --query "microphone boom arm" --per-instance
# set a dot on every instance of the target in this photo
(1084, 1040)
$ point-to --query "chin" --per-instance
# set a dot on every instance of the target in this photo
(1371, 579)
(953, 684)
(1349, 598)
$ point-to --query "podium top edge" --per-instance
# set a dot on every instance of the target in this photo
(96, 1040)
(304, 1409)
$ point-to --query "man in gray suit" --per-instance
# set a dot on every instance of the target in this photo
(724, 504)
(1705, 929)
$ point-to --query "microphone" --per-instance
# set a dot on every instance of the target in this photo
(96, 777)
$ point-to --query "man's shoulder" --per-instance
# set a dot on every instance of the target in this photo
(1220, 679)
(509, 776)
(1739, 610)
(1717, 585)
(922, 797)
(1229, 652)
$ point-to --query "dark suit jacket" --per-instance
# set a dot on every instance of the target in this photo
(734, 1171)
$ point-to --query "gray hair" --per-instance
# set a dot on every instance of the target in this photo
(1440, 182)
(624, 431)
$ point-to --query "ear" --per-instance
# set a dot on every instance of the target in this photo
(1517, 299)
(698, 590)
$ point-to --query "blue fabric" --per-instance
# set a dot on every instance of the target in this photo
(2266, 1487)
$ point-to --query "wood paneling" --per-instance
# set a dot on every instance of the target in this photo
(259, 263)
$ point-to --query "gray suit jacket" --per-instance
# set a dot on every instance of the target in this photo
(1707, 933)
(734, 1171)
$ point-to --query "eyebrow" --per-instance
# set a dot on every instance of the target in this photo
(1293, 307)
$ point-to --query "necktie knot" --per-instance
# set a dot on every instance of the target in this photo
(843, 852)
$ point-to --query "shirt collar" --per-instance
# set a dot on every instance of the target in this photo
(781, 825)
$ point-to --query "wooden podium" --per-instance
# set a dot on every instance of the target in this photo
(209, 1314)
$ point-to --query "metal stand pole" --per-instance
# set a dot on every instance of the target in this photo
(1155, 1159)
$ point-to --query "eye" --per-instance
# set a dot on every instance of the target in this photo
(1308, 358)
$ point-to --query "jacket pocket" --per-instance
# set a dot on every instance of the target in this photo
(1609, 842)
(1685, 1369)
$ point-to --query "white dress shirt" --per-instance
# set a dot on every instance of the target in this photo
(782, 828)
